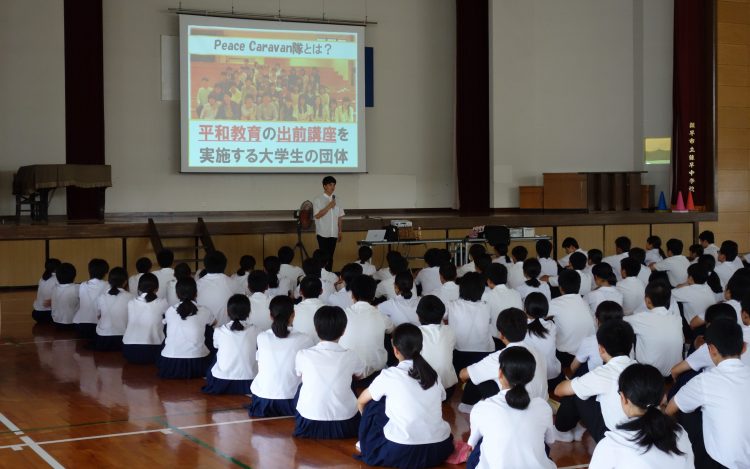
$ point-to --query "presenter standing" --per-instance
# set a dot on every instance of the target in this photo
(328, 215)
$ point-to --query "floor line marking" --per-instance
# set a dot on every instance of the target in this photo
(41, 453)
(202, 443)
(11, 426)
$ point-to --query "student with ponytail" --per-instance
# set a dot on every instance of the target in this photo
(531, 270)
(403, 307)
(43, 304)
(247, 265)
(606, 287)
(185, 354)
(277, 285)
(402, 423)
(236, 343)
(112, 308)
(519, 442)
(648, 438)
(144, 336)
(654, 252)
(709, 262)
(541, 335)
(276, 385)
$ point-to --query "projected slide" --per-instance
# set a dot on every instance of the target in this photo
(271, 97)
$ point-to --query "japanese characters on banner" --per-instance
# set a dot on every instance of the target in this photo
(692, 167)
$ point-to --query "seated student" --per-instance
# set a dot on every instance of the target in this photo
(578, 263)
(663, 279)
(323, 258)
(587, 356)
(142, 266)
(402, 308)
(290, 272)
(469, 318)
(165, 259)
(531, 270)
(737, 289)
(593, 398)
(438, 341)
(544, 251)
(675, 265)
(402, 421)
(630, 287)
(364, 254)
(385, 272)
(713, 281)
(482, 265)
(475, 250)
(606, 287)
(728, 262)
(481, 377)
(526, 421)
(648, 438)
(569, 245)
(112, 312)
(572, 317)
(304, 311)
(622, 247)
(185, 355)
(385, 289)
(343, 297)
(653, 250)
(500, 297)
(88, 294)
(274, 388)
(541, 335)
(366, 328)
(501, 254)
(706, 240)
(428, 279)
(215, 288)
(277, 285)
(144, 335)
(181, 270)
(696, 296)
(694, 252)
(714, 403)
(449, 289)
(516, 278)
(658, 331)
(311, 268)
(247, 265)
(236, 344)
(640, 256)
(260, 314)
(42, 312)
(64, 301)
(327, 406)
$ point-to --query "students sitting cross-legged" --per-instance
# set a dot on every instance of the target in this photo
(469, 318)
(587, 357)
(403, 307)
(572, 317)
(541, 335)
(343, 297)
(438, 341)
(304, 312)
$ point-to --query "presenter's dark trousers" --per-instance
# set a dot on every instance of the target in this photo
(328, 245)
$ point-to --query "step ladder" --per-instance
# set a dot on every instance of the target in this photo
(189, 254)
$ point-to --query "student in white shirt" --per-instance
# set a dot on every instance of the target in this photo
(143, 266)
(578, 263)
(516, 277)
(707, 240)
(593, 398)
(500, 297)
(622, 246)
(402, 421)
(365, 254)
(715, 402)
(438, 341)
(260, 314)
(713, 281)
(475, 250)
(144, 335)
(544, 251)
(428, 279)
(569, 245)
(572, 317)
(277, 285)
(236, 343)
(165, 259)
(648, 438)
(304, 311)
(658, 331)
(385, 272)
(653, 250)
(181, 270)
(112, 312)
(606, 287)
(327, 406)
(675, 265)
(640, 256)
(541, 335)
(448, 291)
(312, 268)
(501, 254)
(385, 288)
(526, 422)
(630, 287)
(728, 262)
(694, 252)
(366, 328)
(587, 357)
(287, 270)
(215, 288)
(696, 296)
(737, 289)
(531, 270)
(88, 294)
(64, 301)
(402, 308)
(343, 297)
(247, 265)
(275, 386)
(470, 319)
(42, 312)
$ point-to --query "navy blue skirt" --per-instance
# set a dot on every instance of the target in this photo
(183, 368)
(64, 327)
(326, 429)
(86, 330)
(42, 316)
(261, 407)
(108, 343)
(141, 354)
(473, 460)
(377, 450)
(216, 385)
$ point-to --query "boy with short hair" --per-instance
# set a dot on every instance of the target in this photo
(675, 265)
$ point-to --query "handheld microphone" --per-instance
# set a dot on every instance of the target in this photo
(333, 196)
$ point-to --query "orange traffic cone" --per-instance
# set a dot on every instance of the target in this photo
(690, 203)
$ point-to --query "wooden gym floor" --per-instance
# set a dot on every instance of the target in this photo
(62, 405)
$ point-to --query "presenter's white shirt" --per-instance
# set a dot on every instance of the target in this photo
(260, 314)
(618, 450)
(214, 291)
(236, 350)
(277, 378)
(511, 438)
(186, 338)
(487, 370)
(438, 342)
(113, 313)
(429, 279)
(696, 299)
(633, 292)
(164, 276)
(365, 334)
(501, 298)
(400, 310)
(659, 338)
(88, 296)
(573, 319)
(470, 321)
(304, 315)
(595, 297)
(676, 269)
(145, 326)
(602, 383)
(64, 303)
(327, 226)
(415, 414)
(43, 301)
(326, 371)
(546, 347)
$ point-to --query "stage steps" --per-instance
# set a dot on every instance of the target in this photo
(188, 254)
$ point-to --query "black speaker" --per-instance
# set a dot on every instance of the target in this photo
(495, 234)
(391, 233)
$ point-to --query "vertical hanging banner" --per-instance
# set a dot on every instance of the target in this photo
(692, 101)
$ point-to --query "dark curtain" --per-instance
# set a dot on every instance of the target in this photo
(473, 105)
(692, 101)
(84, 101)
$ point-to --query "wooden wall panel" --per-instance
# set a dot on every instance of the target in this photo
(588, 237)
(80, 251)
(23, 263)
(636, 233)
(681, 231)
(236, 246)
